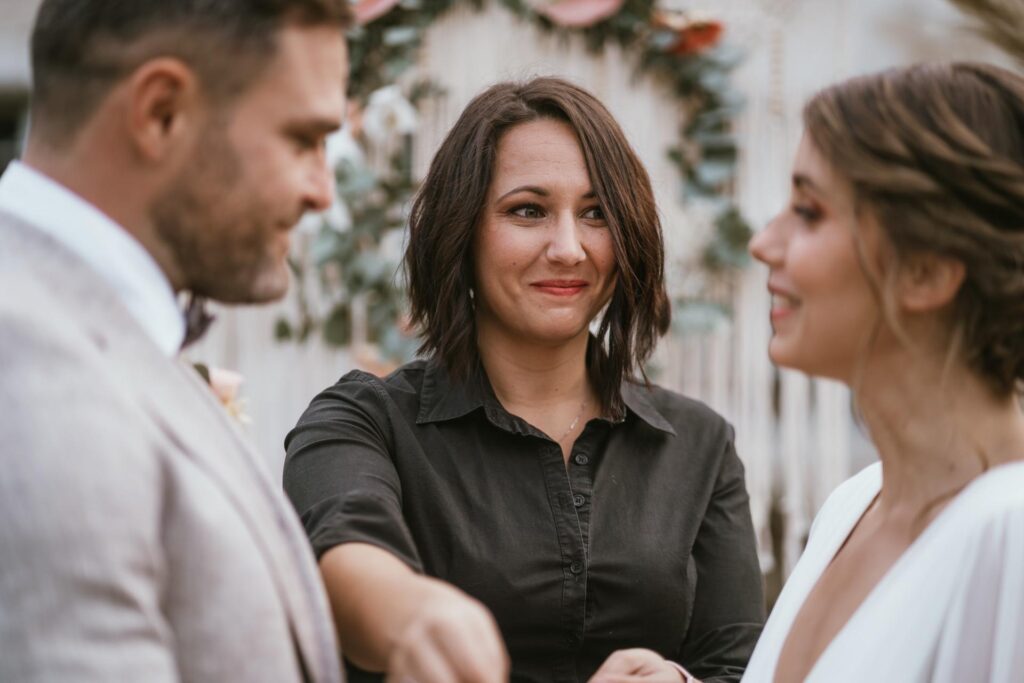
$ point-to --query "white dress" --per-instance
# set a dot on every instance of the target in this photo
(951, 608)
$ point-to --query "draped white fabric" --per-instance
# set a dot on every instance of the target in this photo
(957, 589)
(796, 436)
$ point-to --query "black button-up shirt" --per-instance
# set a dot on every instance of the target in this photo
(643, 539)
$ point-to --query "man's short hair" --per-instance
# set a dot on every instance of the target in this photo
(81, 48)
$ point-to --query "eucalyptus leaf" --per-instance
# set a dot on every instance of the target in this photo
(282, 330)
(708, 139)
(326, 246)
(698, 317)
(338, 326)
(715, 79)
(714, 172)
(401, 35)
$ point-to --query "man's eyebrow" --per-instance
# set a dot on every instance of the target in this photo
(318, 125)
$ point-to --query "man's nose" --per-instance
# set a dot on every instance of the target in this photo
(319, 191)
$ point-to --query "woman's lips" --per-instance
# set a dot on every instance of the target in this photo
(560, 287)
(783, 304)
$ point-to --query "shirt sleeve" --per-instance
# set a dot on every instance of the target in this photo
(728, 610)
(340, 475)
(983, 636)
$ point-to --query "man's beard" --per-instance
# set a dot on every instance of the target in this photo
(215, 231)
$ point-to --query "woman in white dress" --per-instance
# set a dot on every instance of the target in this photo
(898, 268)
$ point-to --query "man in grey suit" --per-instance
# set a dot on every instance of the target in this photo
(173, 146)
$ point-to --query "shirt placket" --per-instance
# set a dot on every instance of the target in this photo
(570, 487)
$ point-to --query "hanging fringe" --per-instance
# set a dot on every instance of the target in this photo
(1001, 21)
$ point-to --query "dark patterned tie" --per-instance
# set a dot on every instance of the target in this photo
(197, 320)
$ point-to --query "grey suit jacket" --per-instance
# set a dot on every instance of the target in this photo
(140, 539)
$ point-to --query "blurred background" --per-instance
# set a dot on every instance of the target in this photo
(709, 94)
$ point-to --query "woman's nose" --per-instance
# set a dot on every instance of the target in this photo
(766, 245)
(566, 246)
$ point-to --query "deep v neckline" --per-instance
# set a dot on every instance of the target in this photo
(890, 574)
(823, 566)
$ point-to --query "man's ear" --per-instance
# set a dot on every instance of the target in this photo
(929, 281)
(163, 105)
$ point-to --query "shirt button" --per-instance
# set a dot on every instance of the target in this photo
(576, 567)
(581, 459)
(578, 500)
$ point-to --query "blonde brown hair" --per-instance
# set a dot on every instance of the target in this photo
(936, 153)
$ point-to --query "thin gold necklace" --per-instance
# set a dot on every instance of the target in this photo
(575, 421)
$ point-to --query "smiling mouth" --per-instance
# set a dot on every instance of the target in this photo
(560, 287)
(782, 305)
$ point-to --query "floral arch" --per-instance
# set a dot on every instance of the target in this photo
(347, 272)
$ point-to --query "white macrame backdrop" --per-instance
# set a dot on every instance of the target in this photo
(796, 436)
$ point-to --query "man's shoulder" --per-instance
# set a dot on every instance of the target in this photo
(56, 384)
(35, 323)
(26, 278)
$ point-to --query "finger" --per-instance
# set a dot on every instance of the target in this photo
(476, 651)
(426, 663)
(624, 662)
(493, 646)
(620, 678)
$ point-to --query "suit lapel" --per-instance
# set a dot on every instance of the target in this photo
(187, 412)
(264, 501)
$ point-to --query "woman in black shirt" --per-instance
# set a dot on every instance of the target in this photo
(519, 503)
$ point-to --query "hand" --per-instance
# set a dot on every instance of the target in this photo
(636, 666)
(451, 639)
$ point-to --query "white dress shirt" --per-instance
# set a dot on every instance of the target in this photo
(949, 610)
(103, 244)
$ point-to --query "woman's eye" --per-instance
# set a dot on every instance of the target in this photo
(527, 211)
(810, 214)
(594, 213)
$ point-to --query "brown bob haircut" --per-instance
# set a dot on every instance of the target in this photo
(81, 48)
(447, 210)
(936, 153)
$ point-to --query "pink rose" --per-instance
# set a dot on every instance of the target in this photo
(369, 10)
(225, 384)
(579, 13)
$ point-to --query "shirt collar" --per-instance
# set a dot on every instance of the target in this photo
(104, 245)
(443, 398)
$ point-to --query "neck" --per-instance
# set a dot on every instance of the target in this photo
(935, 427)
(537, 375)
(96, 173)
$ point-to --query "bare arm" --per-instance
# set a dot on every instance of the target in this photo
(414, 627)
(390, 616)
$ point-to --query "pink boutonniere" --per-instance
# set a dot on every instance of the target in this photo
(225, 385)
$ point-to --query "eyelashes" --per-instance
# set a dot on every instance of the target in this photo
(530, 211)
(536, 212)
(810, 214)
